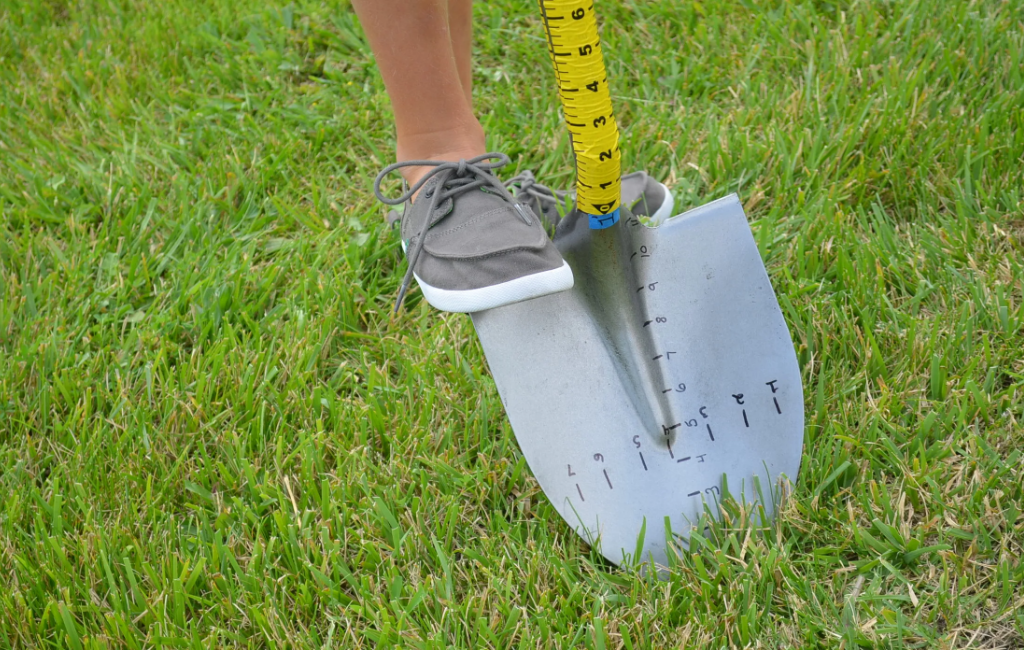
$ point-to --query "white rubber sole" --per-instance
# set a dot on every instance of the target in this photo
(506, 293)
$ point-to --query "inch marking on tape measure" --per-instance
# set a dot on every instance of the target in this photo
(575, 49)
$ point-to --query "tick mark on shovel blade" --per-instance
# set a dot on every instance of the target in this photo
(608, 479)
(580, 491)
(682, 460)
(693, 494)
(777, 409)
(710, 433)
(643, 461)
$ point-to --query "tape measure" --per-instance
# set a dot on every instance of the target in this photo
(575, 49)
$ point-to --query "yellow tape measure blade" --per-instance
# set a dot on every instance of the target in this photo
(575, 49)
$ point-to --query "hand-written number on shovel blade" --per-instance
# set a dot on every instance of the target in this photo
(642, 253)
(711, 490)
(778, 409)
(636, 441)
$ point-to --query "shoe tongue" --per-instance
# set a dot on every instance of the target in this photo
(443, 209)
(426, 197)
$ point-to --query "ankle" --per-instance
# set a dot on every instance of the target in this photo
(450, 145)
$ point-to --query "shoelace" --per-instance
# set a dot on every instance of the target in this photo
(526, 183)
(454, 178)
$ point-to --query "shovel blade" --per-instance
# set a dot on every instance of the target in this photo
(666, 374)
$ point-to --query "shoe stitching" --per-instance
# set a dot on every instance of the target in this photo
(474, 221)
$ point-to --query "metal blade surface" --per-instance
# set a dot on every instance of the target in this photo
(666, 369)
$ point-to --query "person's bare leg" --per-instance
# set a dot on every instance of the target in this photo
(412, 42)
(460, 22)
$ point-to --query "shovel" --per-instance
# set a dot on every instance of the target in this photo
(665, 379)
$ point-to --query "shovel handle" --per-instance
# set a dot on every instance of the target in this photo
(575, 49)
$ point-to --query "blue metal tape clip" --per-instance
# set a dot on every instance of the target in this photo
(601, 221)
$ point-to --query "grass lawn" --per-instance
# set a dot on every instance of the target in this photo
(213, 432)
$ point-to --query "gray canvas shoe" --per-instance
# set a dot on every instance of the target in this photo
(471, 245)
(644, 196)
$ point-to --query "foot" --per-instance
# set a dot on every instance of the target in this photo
(471, 245)
(644, 196)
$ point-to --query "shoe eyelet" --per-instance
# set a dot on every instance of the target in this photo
(429, 193)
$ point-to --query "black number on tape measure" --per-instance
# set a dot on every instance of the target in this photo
(599, 121)
(605, 155)
(585, 50)
(592, 86)
(605, 186)
(577, 14)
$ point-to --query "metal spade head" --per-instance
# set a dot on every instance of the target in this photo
(667, 369)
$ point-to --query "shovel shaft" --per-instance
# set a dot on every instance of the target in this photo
(575, 49)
